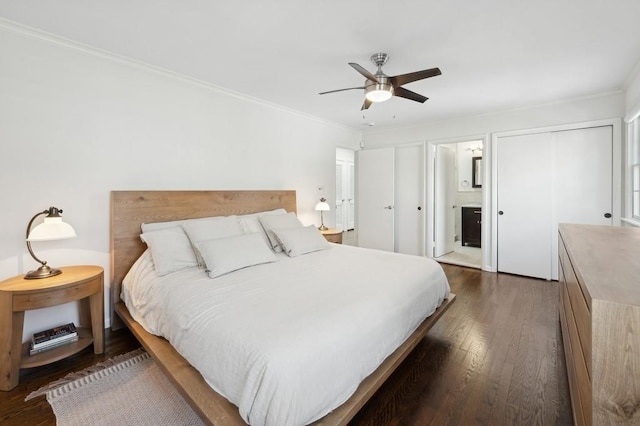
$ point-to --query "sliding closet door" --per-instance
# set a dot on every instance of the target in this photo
(545, 179)
(375, 172)
(582, 180)
(524, 179)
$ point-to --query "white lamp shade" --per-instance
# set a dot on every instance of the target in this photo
(53, 228)
(379, 95)
(323, 207)
(378, 92)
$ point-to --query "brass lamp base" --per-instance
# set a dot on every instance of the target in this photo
(323, 228)
(42, 272)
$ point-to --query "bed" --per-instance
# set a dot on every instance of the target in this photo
(129, 209)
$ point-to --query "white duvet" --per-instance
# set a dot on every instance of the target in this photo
(289, 341)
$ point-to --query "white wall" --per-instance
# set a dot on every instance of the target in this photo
(575, 111)
(76, 123)
(464, 164)
(632, 93)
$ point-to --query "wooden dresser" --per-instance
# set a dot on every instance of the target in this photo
(599, 275)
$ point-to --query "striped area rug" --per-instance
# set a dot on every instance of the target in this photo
(128, 391)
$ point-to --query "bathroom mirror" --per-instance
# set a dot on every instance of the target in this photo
(476, 172)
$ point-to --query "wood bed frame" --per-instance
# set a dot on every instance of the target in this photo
(129, 209)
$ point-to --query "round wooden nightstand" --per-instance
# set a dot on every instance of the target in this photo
(18, 295)
(333, 235)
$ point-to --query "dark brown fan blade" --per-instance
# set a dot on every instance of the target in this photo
(408, 94)
(399, 80)
(364, 72)
(340, 90)
(367, 103)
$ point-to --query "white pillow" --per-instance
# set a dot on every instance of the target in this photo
(251, 224)
(270, 222)
(156, 226)
(224, 255)
(170, 249)
(211, 228)
(297, 241)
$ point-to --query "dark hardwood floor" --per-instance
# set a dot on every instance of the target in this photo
(495, 358)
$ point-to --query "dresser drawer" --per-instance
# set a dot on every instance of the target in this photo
(574, 393)
(582, 379)
(579, 306)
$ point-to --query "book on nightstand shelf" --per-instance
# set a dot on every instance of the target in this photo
(53, 337)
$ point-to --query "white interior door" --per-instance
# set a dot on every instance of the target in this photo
(375, 185)
(524, 178)
(340, 196)
(444, 214)
(582, 184)
(409, 200)
(351, 196)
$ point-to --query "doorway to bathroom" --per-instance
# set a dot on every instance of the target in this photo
(457, 215)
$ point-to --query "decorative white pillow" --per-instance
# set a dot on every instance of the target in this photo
(211, 228)
(224, 255)
(156, 226)
(251, 224)
(270, 222)
(170, 249)
(297, 241)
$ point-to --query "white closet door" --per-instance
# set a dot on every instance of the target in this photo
(445, 187)
(340, 219)
(582, 180)
(524, 178)
(375, 172)
(409, 200)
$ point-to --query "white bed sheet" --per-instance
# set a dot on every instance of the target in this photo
(289, 341)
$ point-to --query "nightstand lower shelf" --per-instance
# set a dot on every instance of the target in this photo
(85, 339)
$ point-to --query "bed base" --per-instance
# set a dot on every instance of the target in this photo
(214, 409)
(129, 209)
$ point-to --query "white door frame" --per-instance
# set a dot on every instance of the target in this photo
(490, 196)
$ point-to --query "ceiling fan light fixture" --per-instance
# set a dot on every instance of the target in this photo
(379, 92)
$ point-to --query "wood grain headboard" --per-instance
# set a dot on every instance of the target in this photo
(130, 209)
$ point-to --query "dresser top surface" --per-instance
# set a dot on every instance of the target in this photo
(606, 260)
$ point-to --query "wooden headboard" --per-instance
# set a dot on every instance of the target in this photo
(130, 209)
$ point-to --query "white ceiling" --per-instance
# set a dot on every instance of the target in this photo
(494, 54)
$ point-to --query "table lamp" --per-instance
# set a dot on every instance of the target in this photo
(322, 207)
(53, 228)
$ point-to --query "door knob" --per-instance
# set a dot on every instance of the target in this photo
(388, 207)
(607, 215)
(419, 208)
(500, 212)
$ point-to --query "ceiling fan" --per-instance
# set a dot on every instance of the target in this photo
(379, 87)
